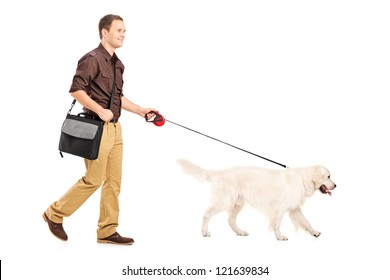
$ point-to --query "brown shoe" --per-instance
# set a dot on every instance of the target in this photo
(116, 239)
(56, 228)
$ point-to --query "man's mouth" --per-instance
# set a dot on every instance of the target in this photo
(325, 190)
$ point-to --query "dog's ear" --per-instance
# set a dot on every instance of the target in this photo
(309, 177)
(318, 175)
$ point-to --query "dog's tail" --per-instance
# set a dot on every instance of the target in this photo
(194, 170)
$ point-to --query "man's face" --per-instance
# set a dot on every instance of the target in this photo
(116, 34)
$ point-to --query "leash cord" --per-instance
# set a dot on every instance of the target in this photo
(227, 144)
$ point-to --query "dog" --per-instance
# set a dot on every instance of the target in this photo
(273, 192)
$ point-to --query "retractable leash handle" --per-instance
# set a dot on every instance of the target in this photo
(155, 117)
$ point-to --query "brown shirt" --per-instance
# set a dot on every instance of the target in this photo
(95, 75)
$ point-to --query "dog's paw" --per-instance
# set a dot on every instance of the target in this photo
(281, 238)
(316, 233)
(242, 233)
(206, 233)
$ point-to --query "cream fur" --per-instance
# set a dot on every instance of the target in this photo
(273, 192)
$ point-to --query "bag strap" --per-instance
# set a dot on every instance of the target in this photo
(112, 92)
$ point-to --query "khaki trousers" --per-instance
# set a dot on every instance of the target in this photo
(104, 172)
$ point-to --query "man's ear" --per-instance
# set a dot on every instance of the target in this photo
(104, 33)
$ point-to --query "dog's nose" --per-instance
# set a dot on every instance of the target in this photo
(335, 186)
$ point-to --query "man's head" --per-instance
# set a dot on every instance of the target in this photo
(112, 30)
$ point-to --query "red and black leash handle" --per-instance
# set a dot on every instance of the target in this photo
(155, 117)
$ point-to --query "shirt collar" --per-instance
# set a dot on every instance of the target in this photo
(107, 56)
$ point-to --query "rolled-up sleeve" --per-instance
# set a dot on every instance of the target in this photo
(87, 69)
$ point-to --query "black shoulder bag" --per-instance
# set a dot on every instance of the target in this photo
(80, 135)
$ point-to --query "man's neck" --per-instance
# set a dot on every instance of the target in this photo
(108, 48)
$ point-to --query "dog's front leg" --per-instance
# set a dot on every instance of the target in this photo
(275, 223)
(299, 220)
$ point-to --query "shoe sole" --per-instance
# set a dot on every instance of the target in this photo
(45, 218)
(111, 242)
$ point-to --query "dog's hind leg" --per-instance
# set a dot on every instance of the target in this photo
(210, 212)
(300, 221)
(233, 217)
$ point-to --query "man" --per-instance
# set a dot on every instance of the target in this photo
(91, 87)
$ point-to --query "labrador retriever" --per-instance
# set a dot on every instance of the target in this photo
(273, 192)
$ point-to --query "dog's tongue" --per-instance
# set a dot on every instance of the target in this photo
(325, 190)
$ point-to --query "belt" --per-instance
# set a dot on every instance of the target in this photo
(113, 120)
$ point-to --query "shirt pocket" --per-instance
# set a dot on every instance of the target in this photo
(104, 81)
(119, 84)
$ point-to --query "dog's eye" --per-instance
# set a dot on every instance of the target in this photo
(328, 176)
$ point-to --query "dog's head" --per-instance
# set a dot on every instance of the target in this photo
(322, 181)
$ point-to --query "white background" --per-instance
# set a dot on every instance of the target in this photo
(299, 82)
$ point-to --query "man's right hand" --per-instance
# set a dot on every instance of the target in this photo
(105, 115)
(82, 97)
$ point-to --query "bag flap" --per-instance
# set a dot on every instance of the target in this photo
(79, 129)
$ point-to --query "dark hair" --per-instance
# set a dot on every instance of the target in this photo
(105, 22)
